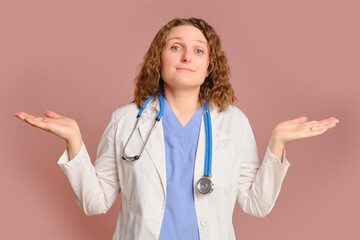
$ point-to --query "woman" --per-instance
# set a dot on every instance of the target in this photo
(157, 161)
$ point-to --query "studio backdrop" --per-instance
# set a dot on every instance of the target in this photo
(80, 58)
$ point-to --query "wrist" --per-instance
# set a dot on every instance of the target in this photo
(276, 142)
(277, 148)
(74, 136)
(73, 146)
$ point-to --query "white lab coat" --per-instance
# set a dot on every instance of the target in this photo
(236, 174)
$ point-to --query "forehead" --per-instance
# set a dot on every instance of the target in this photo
(186, 33)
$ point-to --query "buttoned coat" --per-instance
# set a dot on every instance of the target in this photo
(237, 174)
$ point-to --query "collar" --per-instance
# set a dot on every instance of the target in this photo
(153, 108)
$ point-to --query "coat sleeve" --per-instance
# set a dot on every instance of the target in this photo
(95, 187)
(259, 184)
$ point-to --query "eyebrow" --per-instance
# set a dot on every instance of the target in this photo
(179, 38)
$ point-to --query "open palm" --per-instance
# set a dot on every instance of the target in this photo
(301, 128)
(61, 126)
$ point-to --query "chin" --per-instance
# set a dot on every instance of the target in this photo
(184, 83)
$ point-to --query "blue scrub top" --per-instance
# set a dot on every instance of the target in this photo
(180, 150)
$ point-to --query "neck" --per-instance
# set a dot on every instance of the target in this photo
(182, 101)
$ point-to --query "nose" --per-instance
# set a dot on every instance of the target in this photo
(186, 56)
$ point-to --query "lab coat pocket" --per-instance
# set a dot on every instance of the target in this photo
(223, 172)
(141, 179)
(133, 147)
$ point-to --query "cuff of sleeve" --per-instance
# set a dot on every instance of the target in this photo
(272, 157)
(64, 161)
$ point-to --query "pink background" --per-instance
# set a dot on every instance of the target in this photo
(79, 59)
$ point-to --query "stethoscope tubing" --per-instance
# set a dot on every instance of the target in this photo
(205, 180)
(208, 157)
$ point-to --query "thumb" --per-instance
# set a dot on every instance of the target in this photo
(302, 119)
(52, 114)
(299, 119)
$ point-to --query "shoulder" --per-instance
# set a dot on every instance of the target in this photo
(129, 109)
(230, 123)
(232, 114)
(124, 114)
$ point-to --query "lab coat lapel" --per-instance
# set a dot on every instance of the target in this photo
(200, 154)
(155, 146)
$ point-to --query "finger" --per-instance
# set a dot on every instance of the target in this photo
(320, 129)
(330, 125)
(52, 114)
(31, 119)
(310, 124)
(36, 122)
(23, 115)
(317, 128)
(294, 122)
(19, 115)
(325, 123)
(329, 120)
(299, 119)
(314, 132)
(333, 119)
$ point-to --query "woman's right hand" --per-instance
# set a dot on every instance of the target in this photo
(64, 127)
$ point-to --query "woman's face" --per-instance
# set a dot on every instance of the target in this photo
(184, 58)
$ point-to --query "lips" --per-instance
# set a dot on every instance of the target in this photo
(185, 69)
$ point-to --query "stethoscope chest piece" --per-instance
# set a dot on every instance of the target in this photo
(204, 185)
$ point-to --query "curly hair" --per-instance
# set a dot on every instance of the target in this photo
(216, 89)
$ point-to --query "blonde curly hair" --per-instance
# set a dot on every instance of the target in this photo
(216, 89)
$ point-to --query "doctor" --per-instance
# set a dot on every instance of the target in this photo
(185, 70)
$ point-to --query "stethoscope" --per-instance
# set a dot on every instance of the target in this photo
(204, 185)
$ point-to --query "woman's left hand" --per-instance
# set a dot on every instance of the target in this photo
(300, 128)
(297, 129)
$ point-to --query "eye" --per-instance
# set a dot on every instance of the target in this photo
(175, 48)
(199, 51)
